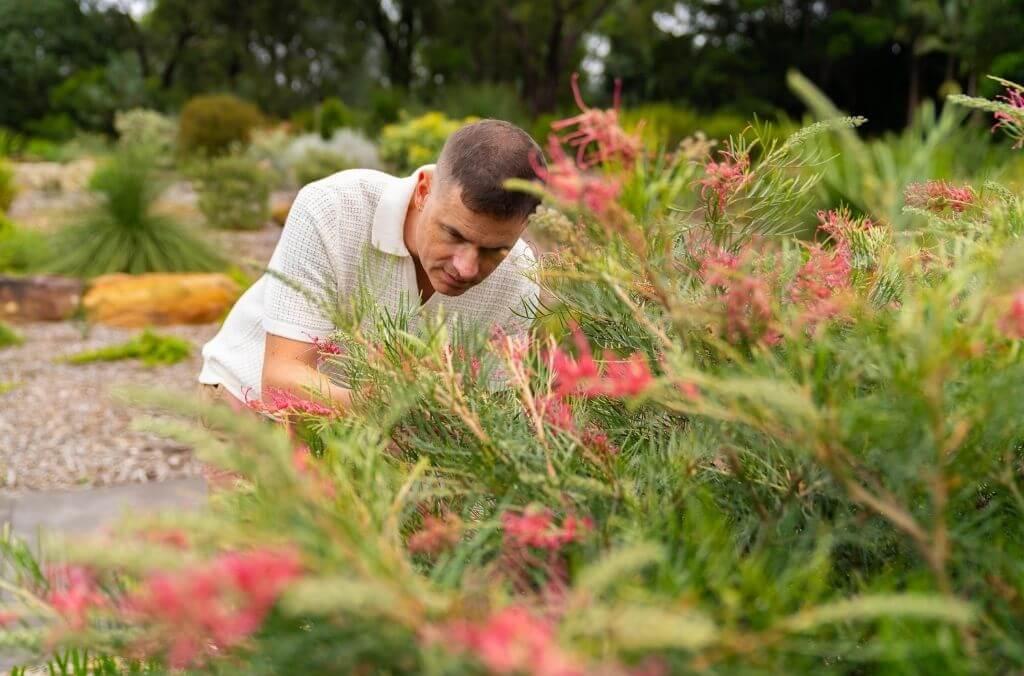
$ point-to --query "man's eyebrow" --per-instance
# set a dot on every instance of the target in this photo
(455, 231)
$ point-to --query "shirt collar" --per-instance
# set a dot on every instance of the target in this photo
(388, 233)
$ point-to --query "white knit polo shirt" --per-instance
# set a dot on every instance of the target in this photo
(344, 230)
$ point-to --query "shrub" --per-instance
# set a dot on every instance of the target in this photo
(7, 188)
(150, 348)
(147, 128)
(417, 141)
(9, 338)
(309, 157)
(483, 100)
(333, 115)
(214, 124)
(754, 455)
(670, 124)
(122, 233)
(234, 193)
(22, 250)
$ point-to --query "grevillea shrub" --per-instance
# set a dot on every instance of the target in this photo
(735, 452)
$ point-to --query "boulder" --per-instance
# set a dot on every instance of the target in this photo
(155, 299)
(280, 205)
(39, 298)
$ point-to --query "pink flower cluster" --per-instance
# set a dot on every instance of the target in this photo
(745, 299)
(598, 131)
(535, 527)
(1012, 323)
(581, 375)
(819, 279)
(839, 224)
(936, 196)
(569, 184)
(213, 606)
(510, 641)
(437, 534)
(1014, 124)
(277, 401)
(72, 593)
(724, 178)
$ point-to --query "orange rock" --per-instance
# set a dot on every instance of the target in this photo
(279, 208)
(156, 299)
(39, 298)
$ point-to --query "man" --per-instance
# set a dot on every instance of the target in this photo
(448, 236)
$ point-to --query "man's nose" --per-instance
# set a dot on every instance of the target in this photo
(466, 263)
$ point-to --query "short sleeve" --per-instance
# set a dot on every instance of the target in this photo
(295, 308)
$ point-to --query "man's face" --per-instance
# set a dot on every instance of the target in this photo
(457, 247)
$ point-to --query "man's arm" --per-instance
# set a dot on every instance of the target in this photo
(291, 365)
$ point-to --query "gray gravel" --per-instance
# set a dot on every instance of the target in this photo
(59, 426)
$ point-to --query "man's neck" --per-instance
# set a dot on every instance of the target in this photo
(422, 281)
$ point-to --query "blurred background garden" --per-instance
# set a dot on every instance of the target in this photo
(169, 136)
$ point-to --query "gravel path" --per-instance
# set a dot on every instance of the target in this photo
(60, 428)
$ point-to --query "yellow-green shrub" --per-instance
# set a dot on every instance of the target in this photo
(21, 250)
(212, 124)
(7, 187)
(234, 192)
(417, 141)
(668, 124)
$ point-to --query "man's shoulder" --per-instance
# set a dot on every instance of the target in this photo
(349, 194)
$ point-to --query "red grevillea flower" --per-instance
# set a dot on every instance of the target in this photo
(936, 196)
(555, 412)
(1013, 124)
(277, 400)
(622, 378)
(825, 274)
(511, 641)
(839, 223)
(73, 593)
(216, 605)
(535, 527)
(724, 178)
(598, 440)
(1012, 323)
(571, 185)
(748, 311)
(598, 136)
(8, 617)
(436, 535)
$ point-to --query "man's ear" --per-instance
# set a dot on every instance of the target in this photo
(424, 183)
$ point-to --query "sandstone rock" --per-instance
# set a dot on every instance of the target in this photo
(134, 301)
(280, 205)
(39, 298)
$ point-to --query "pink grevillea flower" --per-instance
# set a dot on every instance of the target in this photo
(554, 411)
(1012, 123)
(8, 617)
(1012, 323)
(535, 527)
(277, 401)
(73, 593)
(748, 311)
(436, 535)
(819, 280)
(511, 641)
(598, 440)
(622, 378)
(216, 605)
(839, 223)
(688, 390)
(718, 266)
(724, 178)
(936, 196)
(571, 185)
(598, 136)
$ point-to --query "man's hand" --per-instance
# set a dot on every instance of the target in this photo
(291, 365)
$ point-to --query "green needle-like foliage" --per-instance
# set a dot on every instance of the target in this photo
(123, 233)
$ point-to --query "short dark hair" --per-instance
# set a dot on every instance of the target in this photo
(480, 156)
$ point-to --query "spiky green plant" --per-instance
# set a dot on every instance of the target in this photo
(123, 233)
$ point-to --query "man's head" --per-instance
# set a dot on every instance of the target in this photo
(461, 222)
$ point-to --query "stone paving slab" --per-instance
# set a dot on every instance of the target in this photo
(88, 510)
